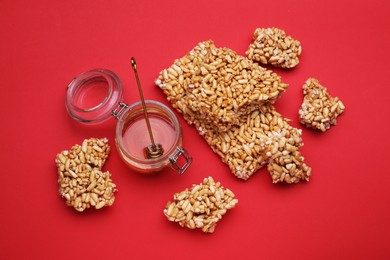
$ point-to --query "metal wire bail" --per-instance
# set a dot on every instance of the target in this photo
(174, 160)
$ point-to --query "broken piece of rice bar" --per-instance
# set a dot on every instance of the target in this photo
(218, 85)
(273, 46)
(81, 181)
(202, 206)
(319, 110)
(262, 137)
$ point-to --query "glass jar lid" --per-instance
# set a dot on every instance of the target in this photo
(93, 95)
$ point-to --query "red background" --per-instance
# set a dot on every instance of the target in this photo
(342, 213)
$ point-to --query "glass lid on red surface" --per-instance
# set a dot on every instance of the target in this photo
(93, 95)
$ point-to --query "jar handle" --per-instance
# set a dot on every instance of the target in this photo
(174, 160)
(120, 108)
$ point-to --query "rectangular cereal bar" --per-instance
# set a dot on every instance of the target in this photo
(262, 137)
(219, 85)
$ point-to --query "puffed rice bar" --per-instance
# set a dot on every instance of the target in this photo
(262, 138)
(218, 85)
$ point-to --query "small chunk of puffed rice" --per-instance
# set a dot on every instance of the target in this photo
(273, 46)
(319, 110)
(81, 181)
(201, 206)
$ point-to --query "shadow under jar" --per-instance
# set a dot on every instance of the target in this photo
(96, 95)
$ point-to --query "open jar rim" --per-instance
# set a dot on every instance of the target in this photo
(79, 91)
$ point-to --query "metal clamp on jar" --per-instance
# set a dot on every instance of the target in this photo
(96, 95)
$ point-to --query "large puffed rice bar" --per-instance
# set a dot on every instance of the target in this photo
(218, 85)
(201, 206)
(273, 46)
(319, 110)
(262, 138)
(81, 182)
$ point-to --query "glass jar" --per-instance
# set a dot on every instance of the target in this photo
(96, 95)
